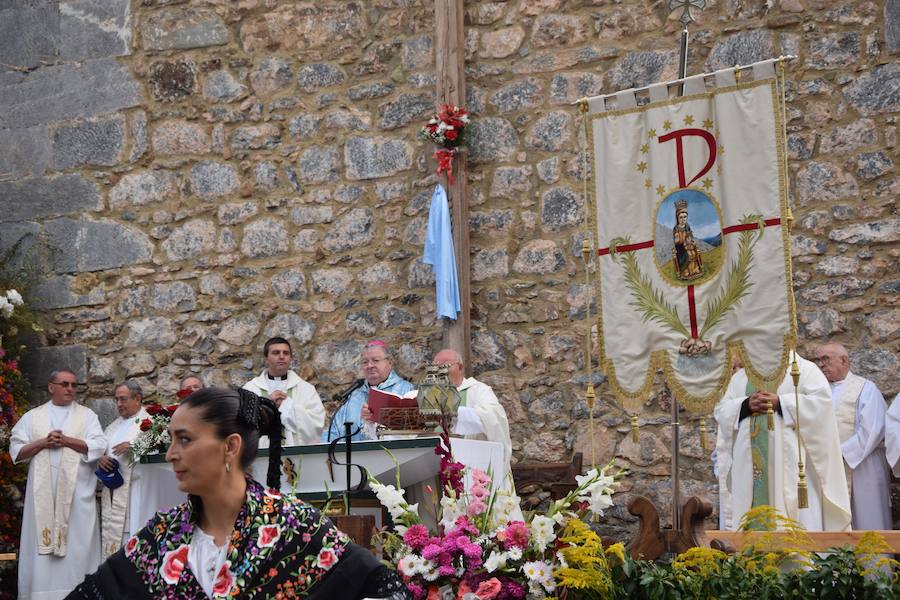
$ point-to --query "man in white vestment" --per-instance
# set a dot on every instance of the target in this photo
(302, 412)
(60, 541)
(759, 467)
(480, 416)
(892, 436)
(114, 503)
(860, 411)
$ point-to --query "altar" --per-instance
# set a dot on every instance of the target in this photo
(154, 487)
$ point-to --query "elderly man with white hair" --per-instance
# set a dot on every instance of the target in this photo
(860, 411)
(479, 398)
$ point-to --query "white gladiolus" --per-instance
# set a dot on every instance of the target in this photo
(497, 560)
(15, 298)
(542, 531)
(6, 309)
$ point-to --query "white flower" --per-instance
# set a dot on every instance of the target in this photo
(515, 553)
(542, 531)
(14, 298)
(407, 565)
(598, 503)
(451, 509)
(538, 570)
(497, 560)
(6, 309)
(560, 557)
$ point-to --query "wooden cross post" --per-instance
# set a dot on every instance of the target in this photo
(450, 71)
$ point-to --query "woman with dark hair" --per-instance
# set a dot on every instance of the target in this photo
(234, 538)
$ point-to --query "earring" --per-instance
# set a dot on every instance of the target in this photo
(228, 467)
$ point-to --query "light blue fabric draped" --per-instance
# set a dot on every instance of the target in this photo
(439, 254)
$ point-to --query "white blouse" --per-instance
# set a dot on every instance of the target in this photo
(205, 559)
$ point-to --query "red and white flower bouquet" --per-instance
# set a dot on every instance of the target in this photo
(154, 436)
(447, 129)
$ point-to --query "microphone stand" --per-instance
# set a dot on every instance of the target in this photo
(343, 397)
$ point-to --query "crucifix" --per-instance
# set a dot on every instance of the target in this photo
(450, 72)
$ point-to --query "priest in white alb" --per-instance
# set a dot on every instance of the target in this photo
(892, 436)
(480, 416)
(114, 502)
(302, 411)
(758, 467)
(60, 541)
(860, 411)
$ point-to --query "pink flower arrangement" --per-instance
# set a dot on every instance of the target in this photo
(483, 547)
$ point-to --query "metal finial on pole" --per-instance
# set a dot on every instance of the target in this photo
(686, 6)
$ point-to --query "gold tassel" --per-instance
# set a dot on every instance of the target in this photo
(703, 445)
(635, 431)
(590, 396)
(802, 493)
(770, 416)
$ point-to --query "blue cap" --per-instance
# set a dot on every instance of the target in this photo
(111, 479)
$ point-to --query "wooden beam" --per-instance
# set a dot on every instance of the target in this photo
(450, 72)
(820, 540)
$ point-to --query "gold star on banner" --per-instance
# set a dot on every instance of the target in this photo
(660, 190)
(708, 124)
(648, 184)
(652, 133)
(689, 120)
(721, 149)
(667, 125)
(645, 148)
(707, 184)
(642, 166)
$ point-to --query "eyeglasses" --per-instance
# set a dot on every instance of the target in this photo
(65, 384)
(371, 361)
(822, 359)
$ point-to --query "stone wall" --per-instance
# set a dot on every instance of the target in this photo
(194, 177)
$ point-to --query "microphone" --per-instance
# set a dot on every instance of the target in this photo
(343, 397)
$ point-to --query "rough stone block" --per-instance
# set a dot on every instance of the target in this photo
(48, 196)
(824, 183)
(55, 292)
(892, 24)
(560, 208)
(172, 81)
(539, 257)
(741, 48)
(290, 284)
(870, 165)
(833, 50)
(156, 333)
(488, 352)
(221, 86)
(256, 137)
(489, 263)
(310, 215)
(82, 246)
(319, 75)
(335, 282)
(350, 231)
(551, 133)
(405, 109)
(67, 91)
(291, 327)
(38, 363)
(418, 53)
(191, 239)
(566, 88)
(876, 232)
(639, 69)
(376, 278)
(211, 179)
(41, 22)
(175, 296)
(264, 237)
(492, 139)
(874, 92)
(96, 141)
(518, 95)
(240, 330)
(272, 75)
(558, 30)
(24, 152)
(319, 164)
(144, 187)
(371, 158)
(182, 28)
(94, 28)
(304, 25)
(502, 42)
(177, 136)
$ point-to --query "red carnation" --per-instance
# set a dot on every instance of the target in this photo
(171, 409)
(451, 134)
(182, 394)
(146, 424)
(154, 409)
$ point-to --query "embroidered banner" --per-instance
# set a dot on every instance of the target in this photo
(692, 236)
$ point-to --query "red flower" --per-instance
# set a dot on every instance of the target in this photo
(154, 409)
(326, 558)
(488, 589)
(224, 580)
(171, 409)
(273, 572)
(451, 134)
(146, 424)
(182, 394)
(268, 535)
(130, 545)
(173, 564)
